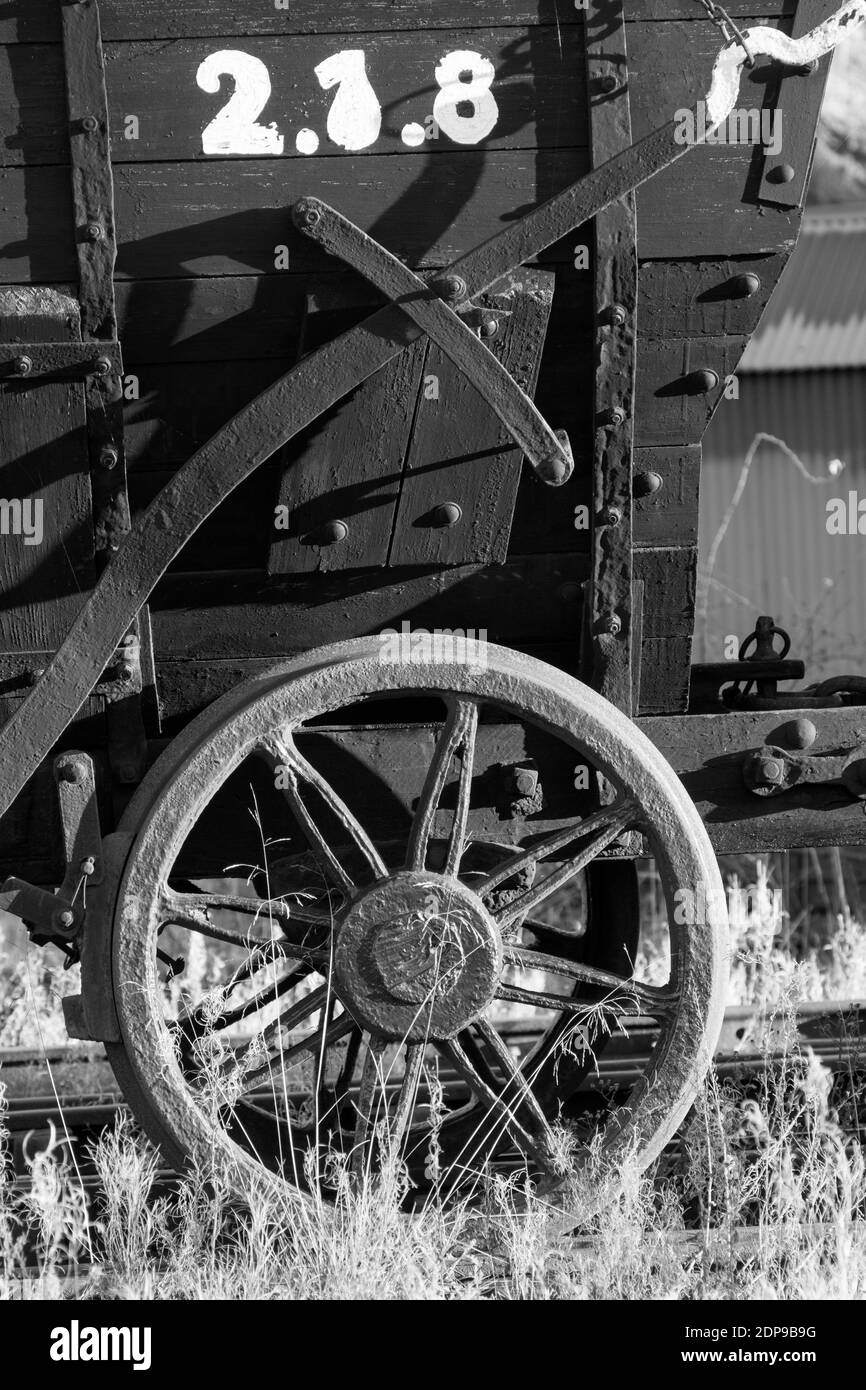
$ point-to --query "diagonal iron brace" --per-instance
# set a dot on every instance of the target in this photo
(318, 382)
(548, 455)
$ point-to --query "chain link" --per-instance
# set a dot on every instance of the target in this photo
(729, 30)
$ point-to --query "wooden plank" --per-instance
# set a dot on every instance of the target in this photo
(706, 298)
(179, 407)
(47, 545)
(530, 599)
(664, 675)
(460, 453)
(538, 91)
(36, 21)
(668, 576)
(346, 469)
(669, 516)
(608, 640)
(428, 214)
(673, 406)
(211, 320)
(236, 536)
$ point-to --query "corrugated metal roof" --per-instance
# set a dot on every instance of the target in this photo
(817, 317)
(775, 554)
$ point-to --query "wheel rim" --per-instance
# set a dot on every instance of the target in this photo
(398, 975)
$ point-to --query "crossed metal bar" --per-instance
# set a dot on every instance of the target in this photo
(325, 376)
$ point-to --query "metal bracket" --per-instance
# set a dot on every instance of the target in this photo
(770, 770)
(41, 363)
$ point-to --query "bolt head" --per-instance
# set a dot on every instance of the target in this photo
(446, 514)
(108, 456)
(744, 286)
(69, 772)
(125, 672)
(771, 770)
(331, 533)
(612, 625)
(102, 366)
(615, 416)
(22, 366)
(782, 173)
(615, 315)
(612, 516)
(607, 83)
(452, 288)
(645, 484)
(88, 866)
(65, 918)
(525, 781)
(90, 123)
(94, 231)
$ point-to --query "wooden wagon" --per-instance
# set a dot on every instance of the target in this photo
(355, 363)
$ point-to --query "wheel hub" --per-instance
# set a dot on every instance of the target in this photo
(418, 956)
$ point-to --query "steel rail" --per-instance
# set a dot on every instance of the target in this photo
(318, 382)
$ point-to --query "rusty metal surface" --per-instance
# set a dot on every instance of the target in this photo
(179, 787)
(610, 633)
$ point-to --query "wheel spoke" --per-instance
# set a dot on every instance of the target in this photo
(607, 823)
(312, 1043)
(516, 1081)
(287, 1020)
(457, 740)
(494, 1101)
(652, 1001)
(197, 1023)
(282, 750)
(408, 1093)
(371, 1081)
(193, 910)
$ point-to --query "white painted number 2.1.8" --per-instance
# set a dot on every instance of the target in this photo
(464, 109)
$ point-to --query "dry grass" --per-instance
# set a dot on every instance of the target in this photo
(775, 1161)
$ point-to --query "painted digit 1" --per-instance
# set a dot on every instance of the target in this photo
(465, 77)
(355, 117)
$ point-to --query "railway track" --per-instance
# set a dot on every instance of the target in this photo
(835, 1033)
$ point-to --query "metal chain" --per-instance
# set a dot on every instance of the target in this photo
(729, 30)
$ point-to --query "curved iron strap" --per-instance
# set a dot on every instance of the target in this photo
(317, 383)
(340, 237)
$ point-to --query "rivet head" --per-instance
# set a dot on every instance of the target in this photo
(69, 772)
(607, 83)
(797, 733)
(744, 286)
(781, 173)
(771, 770)
(331, 533)
(22, 366)
(90, 123)
(612, 625)
(446, 514)
(108, 456)
(614, 416)
(451, 288)
(490, 328)
(94, 231)
(612, 516)
(125, 672)
(645, 484)
(615, 315)
(101, 366)
(65, 918)
(704, 379)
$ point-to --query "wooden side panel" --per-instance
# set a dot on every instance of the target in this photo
(669, 516)
(460, 453)
(46, 530)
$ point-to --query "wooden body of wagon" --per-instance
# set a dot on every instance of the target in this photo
(278, 289)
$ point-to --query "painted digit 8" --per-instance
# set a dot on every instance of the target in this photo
(454, 94)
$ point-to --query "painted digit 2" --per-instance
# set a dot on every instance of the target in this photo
(355, 118)
(235, 128)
